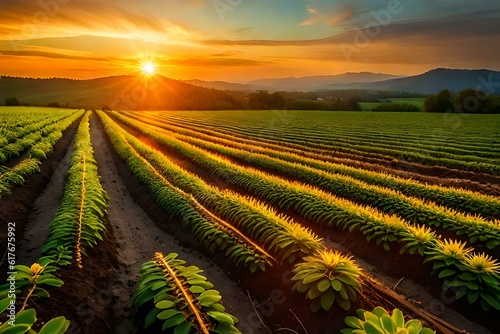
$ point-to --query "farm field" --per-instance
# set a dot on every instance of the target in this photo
(252, 221)
(417, 102)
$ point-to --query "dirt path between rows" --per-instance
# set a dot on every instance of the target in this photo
(138, 238)
(42, 213)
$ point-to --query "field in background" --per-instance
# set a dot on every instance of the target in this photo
(418, 102)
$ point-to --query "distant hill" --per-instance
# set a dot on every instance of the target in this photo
(311, 83)
(433, 81)
(117, 92)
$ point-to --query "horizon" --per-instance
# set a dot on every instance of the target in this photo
(236, 82)
(241, 41)
(139, 74)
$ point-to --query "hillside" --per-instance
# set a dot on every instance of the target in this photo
(119, 92)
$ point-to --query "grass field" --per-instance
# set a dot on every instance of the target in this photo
(418, 102)
(368, 106)
(310, 214)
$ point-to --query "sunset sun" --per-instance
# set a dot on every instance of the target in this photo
(148, 68)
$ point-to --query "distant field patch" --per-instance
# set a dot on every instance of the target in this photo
(417, 102)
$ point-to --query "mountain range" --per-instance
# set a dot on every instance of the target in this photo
(429, 82)
(308, 83)
(433, 81)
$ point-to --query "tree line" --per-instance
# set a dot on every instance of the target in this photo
(466, 101)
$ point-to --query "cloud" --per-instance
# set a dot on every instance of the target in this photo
(453, 27)
(86, 17)
(311, 10)
(45, 54)
(213, 62)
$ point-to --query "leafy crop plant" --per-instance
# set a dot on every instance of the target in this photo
(180, 299)
(379, 321)
(328, 277)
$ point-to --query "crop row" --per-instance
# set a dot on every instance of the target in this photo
(288, 242)
(406, 141)
(13, 127)
(210, 231)
(180, 299)
(459, 199)
(489, 167)
(77, 225)
(411, 209)
(320, 208)
(79, 222)
(307, 125)
(38, 150)
(29, 137)
(277, 235)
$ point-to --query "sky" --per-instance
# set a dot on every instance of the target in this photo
(244, 40)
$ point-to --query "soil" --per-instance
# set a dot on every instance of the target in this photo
(42, 212)
(85, 298)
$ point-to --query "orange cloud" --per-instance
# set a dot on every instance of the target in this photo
(23, 19)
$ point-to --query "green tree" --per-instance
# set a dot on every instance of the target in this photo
(430, 104)
(472, 101)
(442, 102)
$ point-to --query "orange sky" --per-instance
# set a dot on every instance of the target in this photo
(245, 40)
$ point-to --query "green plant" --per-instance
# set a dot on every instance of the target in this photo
(24, 320)
(447, 253)
(379, 321)
(479, 280)
(30, 280)
(37, 136)
(79, 221)
(476, 276)
(328, 277)
(418, 239)
(17, 175)
(180, 299)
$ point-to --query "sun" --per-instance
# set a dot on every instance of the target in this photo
(148, 68)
